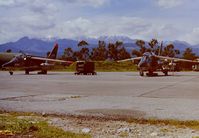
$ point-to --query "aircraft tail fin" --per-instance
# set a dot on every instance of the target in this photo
(53, 53)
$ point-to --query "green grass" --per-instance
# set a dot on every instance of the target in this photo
(11, 125)
(115, 67)
(104, 66)
(193, 124)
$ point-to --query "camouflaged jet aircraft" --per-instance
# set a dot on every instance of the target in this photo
(29, 62)
(150, 62)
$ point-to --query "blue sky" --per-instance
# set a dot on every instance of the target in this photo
(137, 19)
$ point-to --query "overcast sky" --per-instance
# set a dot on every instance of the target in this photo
(138, 19)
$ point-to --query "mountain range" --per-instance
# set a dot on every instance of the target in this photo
(40, 47)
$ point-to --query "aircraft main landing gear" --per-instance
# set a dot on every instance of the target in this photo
(26, 72)
(166, 73)
(42, 72)
(151, 74)
(141, 73)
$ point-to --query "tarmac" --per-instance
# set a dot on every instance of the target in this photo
(105, 94)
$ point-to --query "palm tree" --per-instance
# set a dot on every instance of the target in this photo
(68, 54)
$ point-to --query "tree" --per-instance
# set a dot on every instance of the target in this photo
(123, 54)
(82, 43)
(140, 43)
(170, 51)
(100, 53)
(85, 53)
(153, 43)
(136, 53)
(8, 51)
(68, 54)
(113, 50)
(142, 49)
(188, 54)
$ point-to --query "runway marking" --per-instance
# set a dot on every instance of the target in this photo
(164, 87)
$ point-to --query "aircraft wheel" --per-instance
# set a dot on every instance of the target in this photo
(44, 71)
(150, 74)
(94, 73)
(141, 73)
(11, 73)
(166, 73)
(26, 72)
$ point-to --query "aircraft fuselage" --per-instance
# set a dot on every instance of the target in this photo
(149, 63)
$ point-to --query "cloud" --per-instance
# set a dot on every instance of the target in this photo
(133, 27)
(33, 25)
(13, 3)
(76, 18)
(38, 25)
(94, 3)
(42, 7)
(169, 3)
(162, 31)
(72, 28)
(7, 2)
(192, 37)
(95, 28)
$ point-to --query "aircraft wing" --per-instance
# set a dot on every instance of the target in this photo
(136, 58)
(53, 60)
(177, 59)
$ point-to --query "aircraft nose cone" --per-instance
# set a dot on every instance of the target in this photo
(10, 63)
(5, 65)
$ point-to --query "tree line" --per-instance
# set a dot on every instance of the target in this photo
(111, 51)
(117, 51)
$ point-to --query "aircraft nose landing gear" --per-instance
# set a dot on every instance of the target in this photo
(11, 72)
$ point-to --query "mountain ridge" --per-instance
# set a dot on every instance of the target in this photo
(39, 46)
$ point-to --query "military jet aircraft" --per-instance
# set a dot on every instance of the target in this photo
(29, 62)
(150, 62)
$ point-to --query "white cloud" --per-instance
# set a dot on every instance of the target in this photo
(169, 3)
(67, 19)
(42, 26)
(13, 3)
(7, 2)
(95, 28)
(94, 3)
(133, 27)
(33, 25)
(72, 28)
